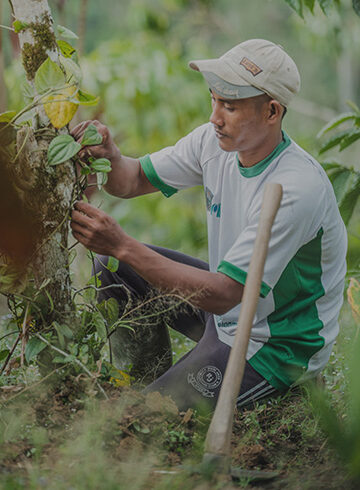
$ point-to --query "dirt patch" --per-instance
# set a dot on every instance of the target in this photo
(70, 437)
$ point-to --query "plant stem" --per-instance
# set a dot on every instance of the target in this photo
(10, 354)
(23, 336)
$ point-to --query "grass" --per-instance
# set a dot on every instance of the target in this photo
(63, 435)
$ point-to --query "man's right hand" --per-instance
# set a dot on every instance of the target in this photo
(106, 149)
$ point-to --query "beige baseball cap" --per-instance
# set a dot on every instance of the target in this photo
(252, 68)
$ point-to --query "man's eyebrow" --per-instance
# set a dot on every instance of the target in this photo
(225, 101)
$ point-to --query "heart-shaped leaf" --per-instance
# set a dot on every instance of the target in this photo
(62, 148)
(33, 348)
(49, 76)
(59, 109)
(91, 136)
(66, 33)
(101, 165)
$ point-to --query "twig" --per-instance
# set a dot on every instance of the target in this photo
(8, 334)
(23, 145)
(79, 363)
(91, 286)
(23, 336)
(7, 27)
(10, 354)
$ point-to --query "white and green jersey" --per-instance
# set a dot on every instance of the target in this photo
(296, 322)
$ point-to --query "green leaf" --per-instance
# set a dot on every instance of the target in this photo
(7, 134)
(7, 116)
(91, 136)
(62, 148)
(59, 334)
(85, 171)
(27, 90)
(99, 322)
(64, 330)
(350, 197)
(336, 122)
(346, 184)
(33, 348)
(101, 165)
(101, 179)
(353, 136)
(84, 98)
(19, 26)
(335, 140)
(72, 70)
(113, 264)
(297, 6)
(66, 33)
(66, 49)
(310, 5)
(353, 106)
(3, 354)
(326, 6)
(109, 309)
(59, 360)
(49, 76)
(356, 6)
(112, 310)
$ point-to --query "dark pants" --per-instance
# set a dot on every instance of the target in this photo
(195, 380)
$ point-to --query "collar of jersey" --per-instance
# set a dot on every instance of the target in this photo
(261, 166)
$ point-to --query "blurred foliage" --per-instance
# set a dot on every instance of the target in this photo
(136, 56)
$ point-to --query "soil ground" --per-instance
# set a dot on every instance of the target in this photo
(63, 435)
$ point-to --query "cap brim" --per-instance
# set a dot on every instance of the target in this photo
(214, 72)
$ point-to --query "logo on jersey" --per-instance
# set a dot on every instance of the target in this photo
(207, 378)
(209, 197)
(214, 209)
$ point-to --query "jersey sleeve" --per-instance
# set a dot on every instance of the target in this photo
(176, 167)
(297, 222)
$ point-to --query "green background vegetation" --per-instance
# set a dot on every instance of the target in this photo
(135, 57)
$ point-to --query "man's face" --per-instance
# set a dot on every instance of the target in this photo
(239, 124)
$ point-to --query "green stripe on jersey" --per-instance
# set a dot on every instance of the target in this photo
(258, 168)
(153, 177)
(240, 276)
(295, 323)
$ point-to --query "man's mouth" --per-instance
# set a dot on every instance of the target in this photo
(219, 134)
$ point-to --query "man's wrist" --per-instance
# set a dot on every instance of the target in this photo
(125, 251)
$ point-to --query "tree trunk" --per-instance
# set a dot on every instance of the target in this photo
(46, 191)
(2, 66)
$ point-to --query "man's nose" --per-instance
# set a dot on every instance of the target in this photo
(216, 117)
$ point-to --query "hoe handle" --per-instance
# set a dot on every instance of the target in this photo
(217, 444)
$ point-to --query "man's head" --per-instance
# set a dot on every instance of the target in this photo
(251, 86)
(252, 68)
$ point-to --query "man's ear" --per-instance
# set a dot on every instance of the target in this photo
(274, 110)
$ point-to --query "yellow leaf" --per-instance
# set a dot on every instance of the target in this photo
(59, 109)
(122, 378)
(353, 295)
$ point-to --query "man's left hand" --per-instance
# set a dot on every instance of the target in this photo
(96, 230)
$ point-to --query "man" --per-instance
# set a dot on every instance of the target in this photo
(233, 156)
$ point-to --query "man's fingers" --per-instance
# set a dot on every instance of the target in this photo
(78, 228)
(78, 130)
(87, 209)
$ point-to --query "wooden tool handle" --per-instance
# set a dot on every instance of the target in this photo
(219, 433)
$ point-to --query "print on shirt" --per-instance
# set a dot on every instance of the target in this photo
(209, 197)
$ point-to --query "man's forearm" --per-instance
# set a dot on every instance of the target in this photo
(122, 180)
(213, 292)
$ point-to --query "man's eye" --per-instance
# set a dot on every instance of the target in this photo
(229, 108)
